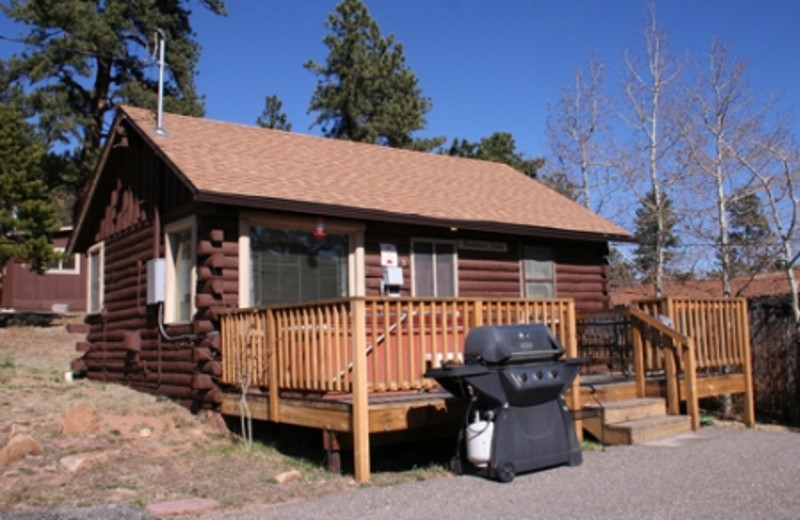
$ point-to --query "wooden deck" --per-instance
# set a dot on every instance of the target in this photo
(353, 368)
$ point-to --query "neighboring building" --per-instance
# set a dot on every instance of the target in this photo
(766, 284)
(60, 289)
(244, 216)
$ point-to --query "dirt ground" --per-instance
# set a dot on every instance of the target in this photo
(148, 449)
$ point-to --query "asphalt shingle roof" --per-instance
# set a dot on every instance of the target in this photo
(250, 163)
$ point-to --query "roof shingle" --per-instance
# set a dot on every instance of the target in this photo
(231, 160)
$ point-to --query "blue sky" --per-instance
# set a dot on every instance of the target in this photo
(486, 65)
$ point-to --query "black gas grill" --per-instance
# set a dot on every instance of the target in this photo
(513, 380)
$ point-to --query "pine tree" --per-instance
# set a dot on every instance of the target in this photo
(750, 236)
(365, 91)
(655, 234)
(82, 59)
(498, 147)
(27, 213)
(272, 117)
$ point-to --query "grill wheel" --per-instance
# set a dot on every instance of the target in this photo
(505, 472)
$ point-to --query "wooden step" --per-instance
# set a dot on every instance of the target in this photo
(633, 421)
(647, 429)
(631, 409)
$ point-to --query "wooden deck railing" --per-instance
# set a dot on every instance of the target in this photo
(674, 351)
(682, 337)
(310, 347)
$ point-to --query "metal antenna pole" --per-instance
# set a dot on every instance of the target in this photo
(161, 41)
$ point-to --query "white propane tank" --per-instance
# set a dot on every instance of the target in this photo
(479, 441)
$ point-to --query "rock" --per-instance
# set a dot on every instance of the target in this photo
(19, 447)
(145, 433)
(287, 476)
(74, 463)
(80, 420)
(182, 507)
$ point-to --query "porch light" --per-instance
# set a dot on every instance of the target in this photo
(319, 230)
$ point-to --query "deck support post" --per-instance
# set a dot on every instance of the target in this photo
(361, 461)
(690, 371)
(330, 441)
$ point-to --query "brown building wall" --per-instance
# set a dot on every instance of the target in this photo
(127, 341)
(24, 290)
(581, 270)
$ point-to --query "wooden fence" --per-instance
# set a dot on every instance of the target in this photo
(776, 359)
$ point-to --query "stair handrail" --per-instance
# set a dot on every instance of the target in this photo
(682, 347)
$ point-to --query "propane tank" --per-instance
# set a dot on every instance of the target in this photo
(479, 441)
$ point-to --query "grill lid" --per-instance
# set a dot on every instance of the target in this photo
(511, 344)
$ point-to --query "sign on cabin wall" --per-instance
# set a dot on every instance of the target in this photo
(388, 255)
(483, 245)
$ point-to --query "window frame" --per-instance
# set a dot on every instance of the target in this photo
(356, 284)
(76, 258)
(544, 281)
(434, 242)
(171, 277)
(98, 249)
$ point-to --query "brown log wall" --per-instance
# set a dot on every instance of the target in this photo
(581, 267)
(124, 343)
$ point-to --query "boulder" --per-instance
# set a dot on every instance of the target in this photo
(19, 447)
(287, 476)
(81, 420)
(73, 463)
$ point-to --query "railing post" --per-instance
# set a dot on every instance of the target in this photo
(671, 376)
(747, 355)
(638, 355)
(572, 352)
(690, 378)
(273, 385)
(360, 414)
(478, 313)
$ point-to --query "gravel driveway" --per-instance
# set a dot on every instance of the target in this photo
(717, 472)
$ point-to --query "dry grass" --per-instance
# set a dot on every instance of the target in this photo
(160, 451)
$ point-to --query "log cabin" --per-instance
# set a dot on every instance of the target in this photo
(317, 280)
(185, 222)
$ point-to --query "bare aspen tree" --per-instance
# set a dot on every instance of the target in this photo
(777, 174)
(577, 127)
(719, 134)
(650, 115)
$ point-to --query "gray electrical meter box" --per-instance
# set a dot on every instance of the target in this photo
(392, 280)
(156, 280)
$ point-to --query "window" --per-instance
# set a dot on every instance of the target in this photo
(290, 265)
(434, 268)
(65, 264)
(539, 272)
(282, 261)
(96, 264)
(181, 276)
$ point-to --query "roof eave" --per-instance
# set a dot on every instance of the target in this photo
(331, 210)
